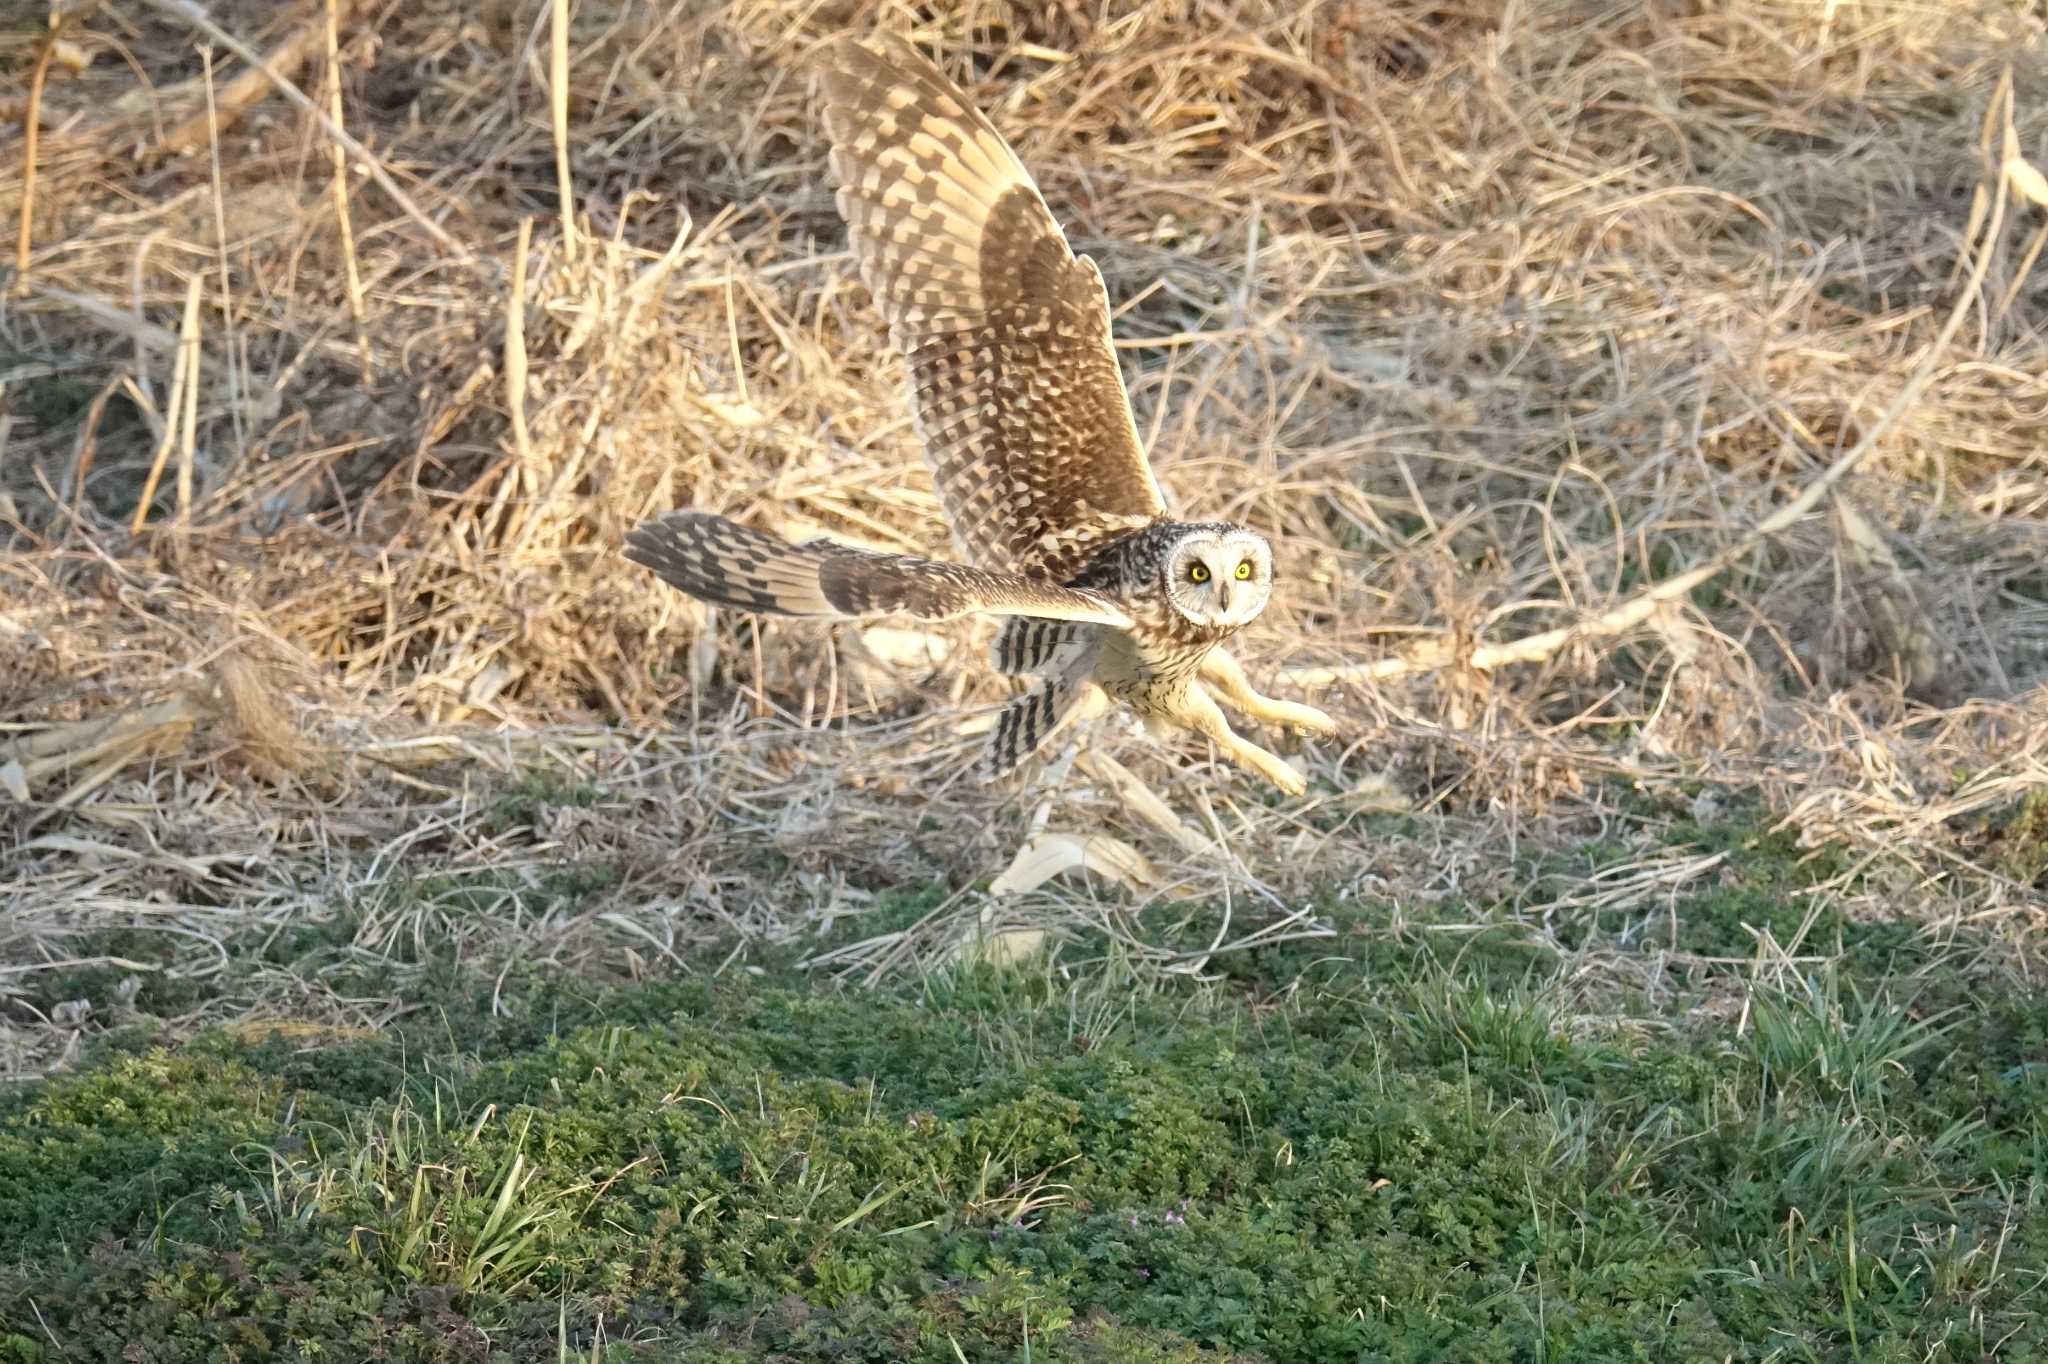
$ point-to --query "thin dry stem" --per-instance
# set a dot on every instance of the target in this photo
(183, 369)
(185, 415)
(524, 477)
(343, 221)
(31, 134)
(558, 108)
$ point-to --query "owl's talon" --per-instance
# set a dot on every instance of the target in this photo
(1294, 784)
(1301, 719)
(1271, 766)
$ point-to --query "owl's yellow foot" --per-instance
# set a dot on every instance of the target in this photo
(1227, 676)
(1202, 715)
(1271, 766)
(1273, 712)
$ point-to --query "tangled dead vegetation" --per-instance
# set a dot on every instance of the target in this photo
(1642, 399)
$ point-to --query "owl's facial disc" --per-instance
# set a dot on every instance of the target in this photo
(1220, 578)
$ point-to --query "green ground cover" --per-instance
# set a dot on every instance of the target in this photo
(1425, 1144)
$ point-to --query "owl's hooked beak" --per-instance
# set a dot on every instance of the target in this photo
(1223, 596)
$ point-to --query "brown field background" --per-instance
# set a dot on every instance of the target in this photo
(1497, 317)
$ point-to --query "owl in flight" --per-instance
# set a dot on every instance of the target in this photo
(1021, 408)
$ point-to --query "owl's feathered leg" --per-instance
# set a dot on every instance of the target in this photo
(1202, 715)
(1028, 647)
(1235, 688)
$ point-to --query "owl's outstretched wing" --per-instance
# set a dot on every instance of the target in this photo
(1004, 331)
(727, 564)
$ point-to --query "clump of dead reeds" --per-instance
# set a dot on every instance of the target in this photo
(1635, 394)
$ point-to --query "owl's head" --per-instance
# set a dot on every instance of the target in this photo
(1219, 575)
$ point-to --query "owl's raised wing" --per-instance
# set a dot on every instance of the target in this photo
(1004, 331)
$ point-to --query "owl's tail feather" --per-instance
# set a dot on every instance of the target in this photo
(727, 564)
(1026, 725)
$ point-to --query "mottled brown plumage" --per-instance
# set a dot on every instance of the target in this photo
(722, 562)
(1014, 386)
(1019, 401)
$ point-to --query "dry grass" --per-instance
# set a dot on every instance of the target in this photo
(1494, 314)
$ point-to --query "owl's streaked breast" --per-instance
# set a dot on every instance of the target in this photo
(1152, 663)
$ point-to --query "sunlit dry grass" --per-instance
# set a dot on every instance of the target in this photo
(1495, 316)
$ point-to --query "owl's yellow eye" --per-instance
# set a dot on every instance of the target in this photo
(1198, 573)
(1244, 569)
